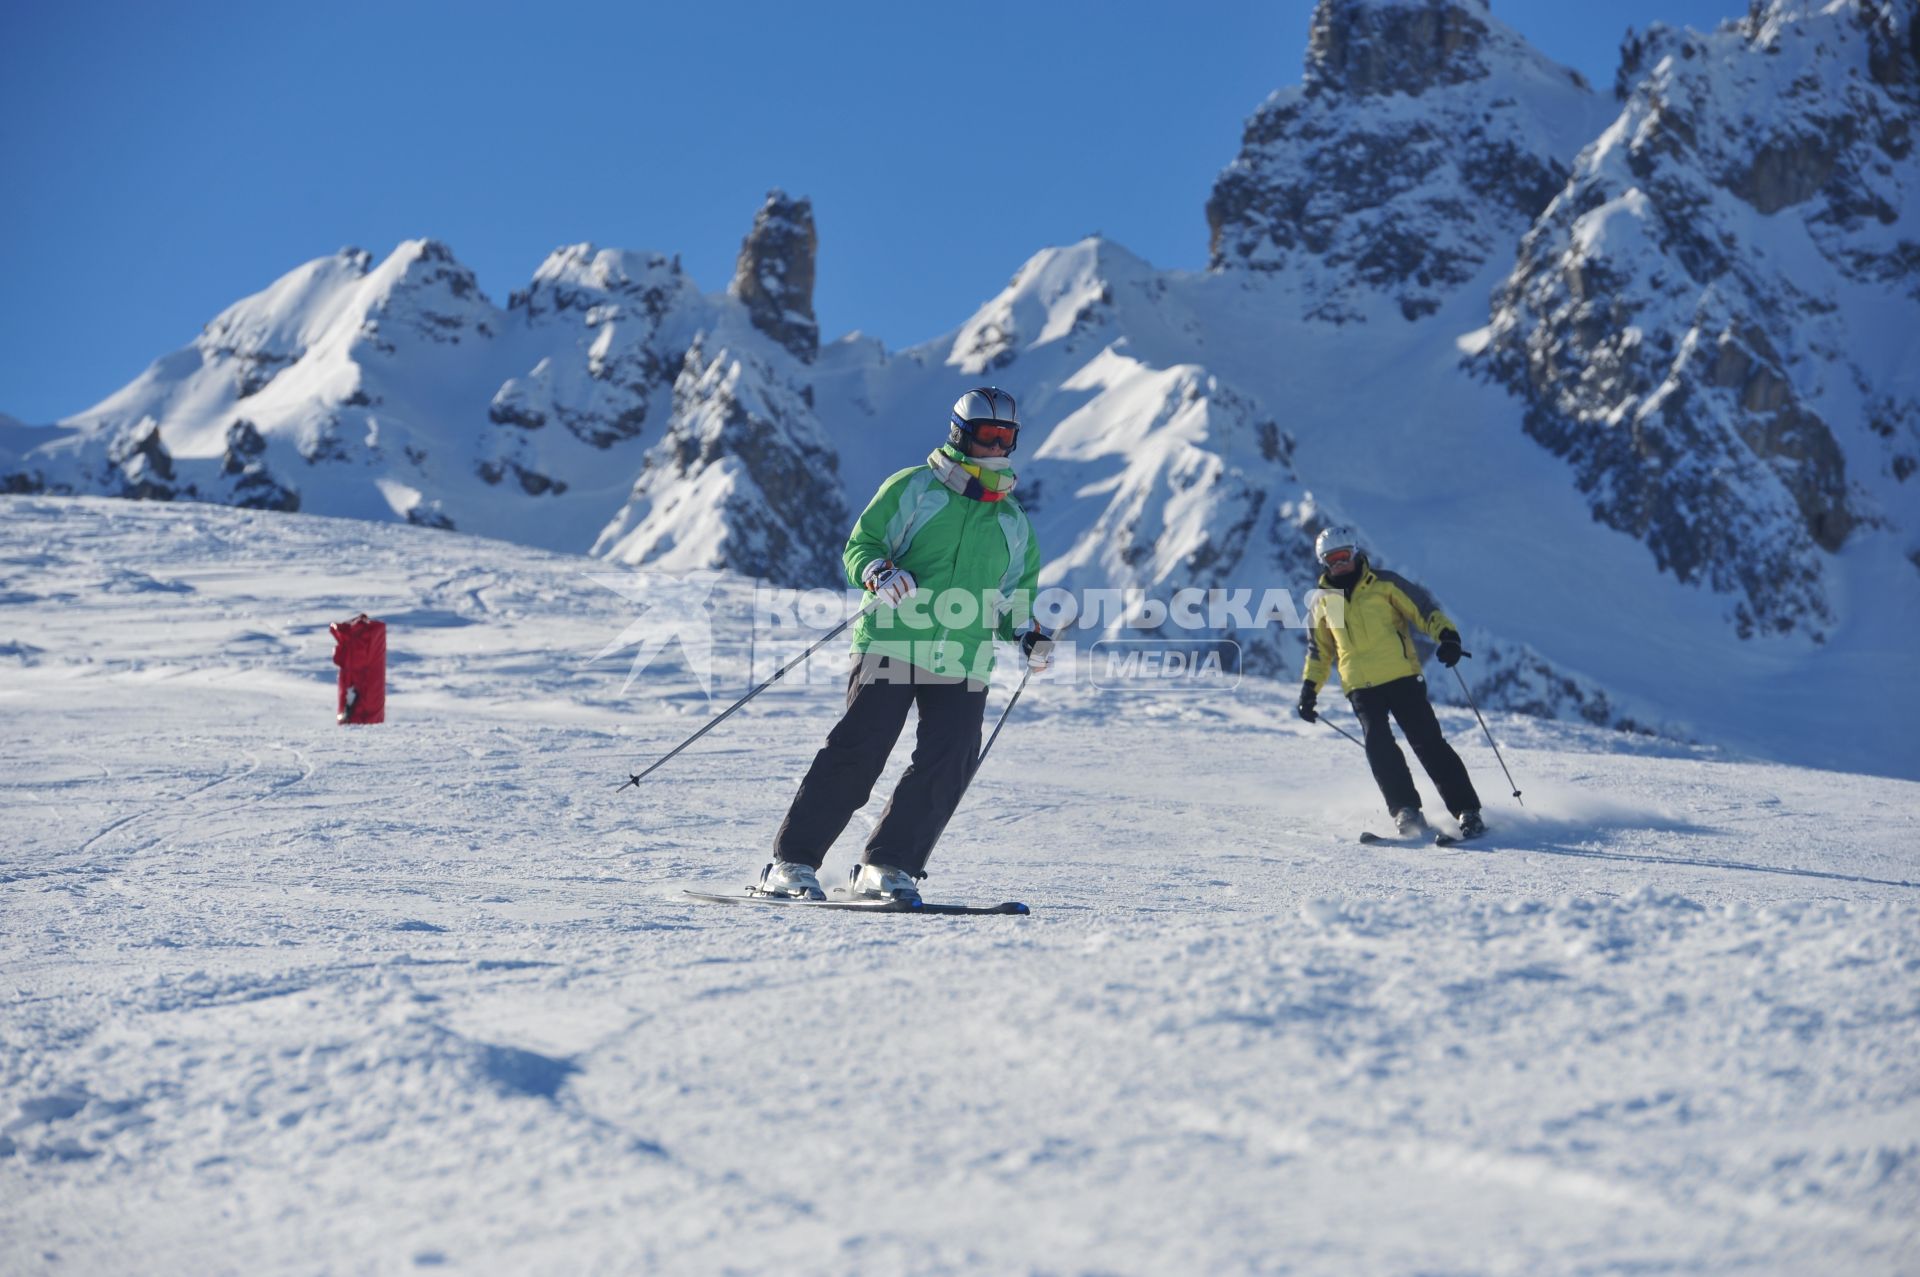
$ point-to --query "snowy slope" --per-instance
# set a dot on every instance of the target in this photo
(282, 996)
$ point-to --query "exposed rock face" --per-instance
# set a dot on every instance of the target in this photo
(773, 276)
(1640, 52)
(141, 463)
(616, 311)
(426, 294)
(249, 481)
(1363, 48)
(744, 480)
(1675, 341)
(133, 462)
(130, 461)
(1368, 210)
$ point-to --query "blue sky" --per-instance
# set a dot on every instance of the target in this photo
(163, 161)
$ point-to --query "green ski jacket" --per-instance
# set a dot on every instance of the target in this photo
(975, 566)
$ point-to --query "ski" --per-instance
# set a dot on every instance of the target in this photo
(839, 901)
(1438, 839)
(1372, 839)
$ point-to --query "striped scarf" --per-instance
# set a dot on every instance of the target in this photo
(977, 478)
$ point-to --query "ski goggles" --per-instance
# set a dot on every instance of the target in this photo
(1338, 561)
(995, 434)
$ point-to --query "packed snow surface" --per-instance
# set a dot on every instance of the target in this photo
(281, 996)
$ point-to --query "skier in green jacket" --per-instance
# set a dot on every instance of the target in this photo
(952, 560)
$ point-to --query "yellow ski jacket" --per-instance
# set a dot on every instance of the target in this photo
(1365, 630)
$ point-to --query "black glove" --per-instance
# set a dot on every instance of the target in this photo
(1449, 651)
(1037, 646)
(1308, 694)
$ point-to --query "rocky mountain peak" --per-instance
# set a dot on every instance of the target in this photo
(744, 479)
(1640, 51)
(774, 274)
(1720, 390)
(419, 265)
(580, 283)
(1395, 46)
(1893, 35)
(577, 269)
(1367, 203)
(609, 306)
(1071, 296)
(430, 294)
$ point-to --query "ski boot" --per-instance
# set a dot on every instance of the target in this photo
(1471, 826)
(1409, 822)
(791, 880)
(883, 882)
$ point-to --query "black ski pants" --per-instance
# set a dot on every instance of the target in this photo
(880, 691)
(1405, 699)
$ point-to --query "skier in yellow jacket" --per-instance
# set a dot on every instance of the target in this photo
(1362, 621)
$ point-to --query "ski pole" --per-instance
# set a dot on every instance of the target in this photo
(721, 717)
(1001, 723)
(1343, 731)
(1054, 638)
(975, 770)
(1483, 727)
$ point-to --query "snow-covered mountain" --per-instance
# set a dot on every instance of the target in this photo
(1717, 322)
(1629, 382)
(399, 390)
(1423, 140)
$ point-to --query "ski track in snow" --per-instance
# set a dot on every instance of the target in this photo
(282, 996)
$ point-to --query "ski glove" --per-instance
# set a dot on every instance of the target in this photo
(1308, 694)
(1449, 651)
(1037, 646)
(890, 583)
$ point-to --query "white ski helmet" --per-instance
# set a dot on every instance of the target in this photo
(983, 406)
(1333, 540)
